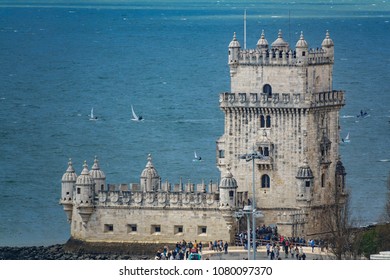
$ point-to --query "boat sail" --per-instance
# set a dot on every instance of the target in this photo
(92, 117)
(346, 139)
(135, 117)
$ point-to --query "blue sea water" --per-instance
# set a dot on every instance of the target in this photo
(168, 60)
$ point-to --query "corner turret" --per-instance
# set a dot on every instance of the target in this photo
(340, 175)
(302, 50)
(234, 50)
(84, 198)
(98, 176)
(67, 184)
(328, 46)
(227, 191)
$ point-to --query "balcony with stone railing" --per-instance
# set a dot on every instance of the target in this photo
(281, 100)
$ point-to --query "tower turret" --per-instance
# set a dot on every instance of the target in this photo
(150, 180)
(67, 184)
(302, 50)
(227, 191)
(262, 43)
(328, 46)
(280, 44)
(340, 176)
(305, 182)
(84, 194)
(98, 176)
(234, 50)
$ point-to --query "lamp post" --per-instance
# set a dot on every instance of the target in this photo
(252, 156)
(238, 215)
(247, 210)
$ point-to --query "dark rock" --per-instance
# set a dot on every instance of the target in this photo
(78, 250)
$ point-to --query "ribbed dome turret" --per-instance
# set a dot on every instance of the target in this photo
(301, 42)
(84, 179)
(149, 171)
(262, 43)
(70, 175)
(304, 172)
(96, 173)
(279, 43)
(227, 191)
(327, 42)
(228, 181)
(234, 43)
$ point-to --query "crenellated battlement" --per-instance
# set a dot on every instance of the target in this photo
(178, 195)
(279, 53)
(158, 199)
(278, 57)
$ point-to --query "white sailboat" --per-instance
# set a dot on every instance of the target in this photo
(196, 157)
(135, 117)
(346, 139)
(92, 117)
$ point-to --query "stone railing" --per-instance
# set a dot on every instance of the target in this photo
(277, 100)
(280, 100)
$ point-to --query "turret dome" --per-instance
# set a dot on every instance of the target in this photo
(96, 173)
(149, 171)
(304, 172)
(301, 42)
(327, 42)
(279, 43)
(234, 43)
(84, 178)
(262, 43)
(228, 182)
(70, 175)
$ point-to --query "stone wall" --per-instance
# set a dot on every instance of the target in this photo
(153, 224)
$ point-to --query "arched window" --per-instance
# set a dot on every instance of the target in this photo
(268, 121)
(261, 150)
(268, 90)
(266, 151)
(262, 121)
(265, 181)
(323, 180)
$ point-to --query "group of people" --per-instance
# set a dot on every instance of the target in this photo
(276, 243)
(184, 249)
(273, 250)
(219, 246)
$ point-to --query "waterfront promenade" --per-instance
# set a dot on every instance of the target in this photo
(239, 253)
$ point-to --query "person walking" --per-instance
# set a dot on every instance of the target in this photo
(225, 246)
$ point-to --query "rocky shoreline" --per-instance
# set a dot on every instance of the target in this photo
(75, 250)
(57, 252)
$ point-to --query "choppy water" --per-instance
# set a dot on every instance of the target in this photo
(169, 60)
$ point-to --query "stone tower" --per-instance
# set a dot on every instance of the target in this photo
(282, 117)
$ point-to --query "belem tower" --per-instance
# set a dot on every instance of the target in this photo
(281, 134)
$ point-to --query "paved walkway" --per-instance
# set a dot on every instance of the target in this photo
(239, 253)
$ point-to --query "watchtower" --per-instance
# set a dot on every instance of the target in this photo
(282, 108)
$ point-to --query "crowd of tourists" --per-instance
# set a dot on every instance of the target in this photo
(189, 250)
(278, 245)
